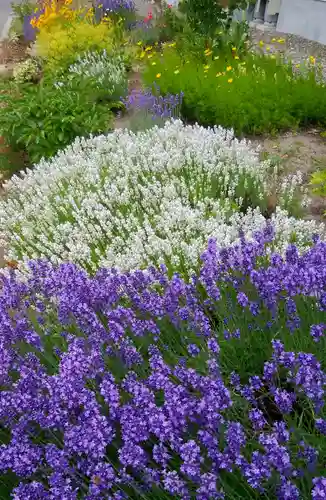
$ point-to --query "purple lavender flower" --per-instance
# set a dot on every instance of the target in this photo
(153, 104)
(114, 386)
(319, 490)
(257, 419)
(287, 490)
(242, 299)
(284, 400)
(317, 331)
(108, 6)
(193, 349)
(320, 424)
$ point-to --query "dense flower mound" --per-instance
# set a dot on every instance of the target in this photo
(101, 68)
(139, 385)
(131, 200)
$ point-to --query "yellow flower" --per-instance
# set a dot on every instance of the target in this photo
(261, 43)
(68, 2)
(208, 52)
(149, 56)
(158, 75)
(273, 57)
(268, 48)
(218, 74)
(312, 60)
(153, 63)
(273, 40)
(206, 67)
(230, 80)
(142, 55)
(281, 40)
(236, 57)
(148, 48)
(139, 43)
(172, 44)
(234, 49)
(177, 71)
(228, 68)
(216, 57)
(297, 65)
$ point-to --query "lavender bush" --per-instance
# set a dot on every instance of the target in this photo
(141, 385)
(148, 107)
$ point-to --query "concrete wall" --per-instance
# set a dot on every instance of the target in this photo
(306, 18)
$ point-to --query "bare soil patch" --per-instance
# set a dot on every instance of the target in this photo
(303, 151)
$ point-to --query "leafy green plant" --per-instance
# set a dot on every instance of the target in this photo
(42, 119)
(253, 94)
(207, 16)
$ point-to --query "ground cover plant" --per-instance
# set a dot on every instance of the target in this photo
(130, 200)
(143, 386)
(250, 93)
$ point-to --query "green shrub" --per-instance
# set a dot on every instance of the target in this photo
(42, 119)
(207, 16)
(252, 95)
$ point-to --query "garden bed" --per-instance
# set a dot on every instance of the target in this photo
(163, 302)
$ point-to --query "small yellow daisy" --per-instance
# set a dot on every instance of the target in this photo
(158, 75)
(236, 57)
(261, 43)
(228, 68)
(206, 67)
(230, 80)
(177, 71)
(153, 63)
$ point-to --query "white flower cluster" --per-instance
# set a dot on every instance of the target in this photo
(102, 68)
(26, 71)
(129, 200)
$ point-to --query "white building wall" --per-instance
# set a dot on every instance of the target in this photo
(306, 18)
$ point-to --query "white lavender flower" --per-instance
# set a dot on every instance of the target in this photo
(102, 68)
(129, 200)
(27, 71)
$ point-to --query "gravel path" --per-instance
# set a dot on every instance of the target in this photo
(293, 47)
